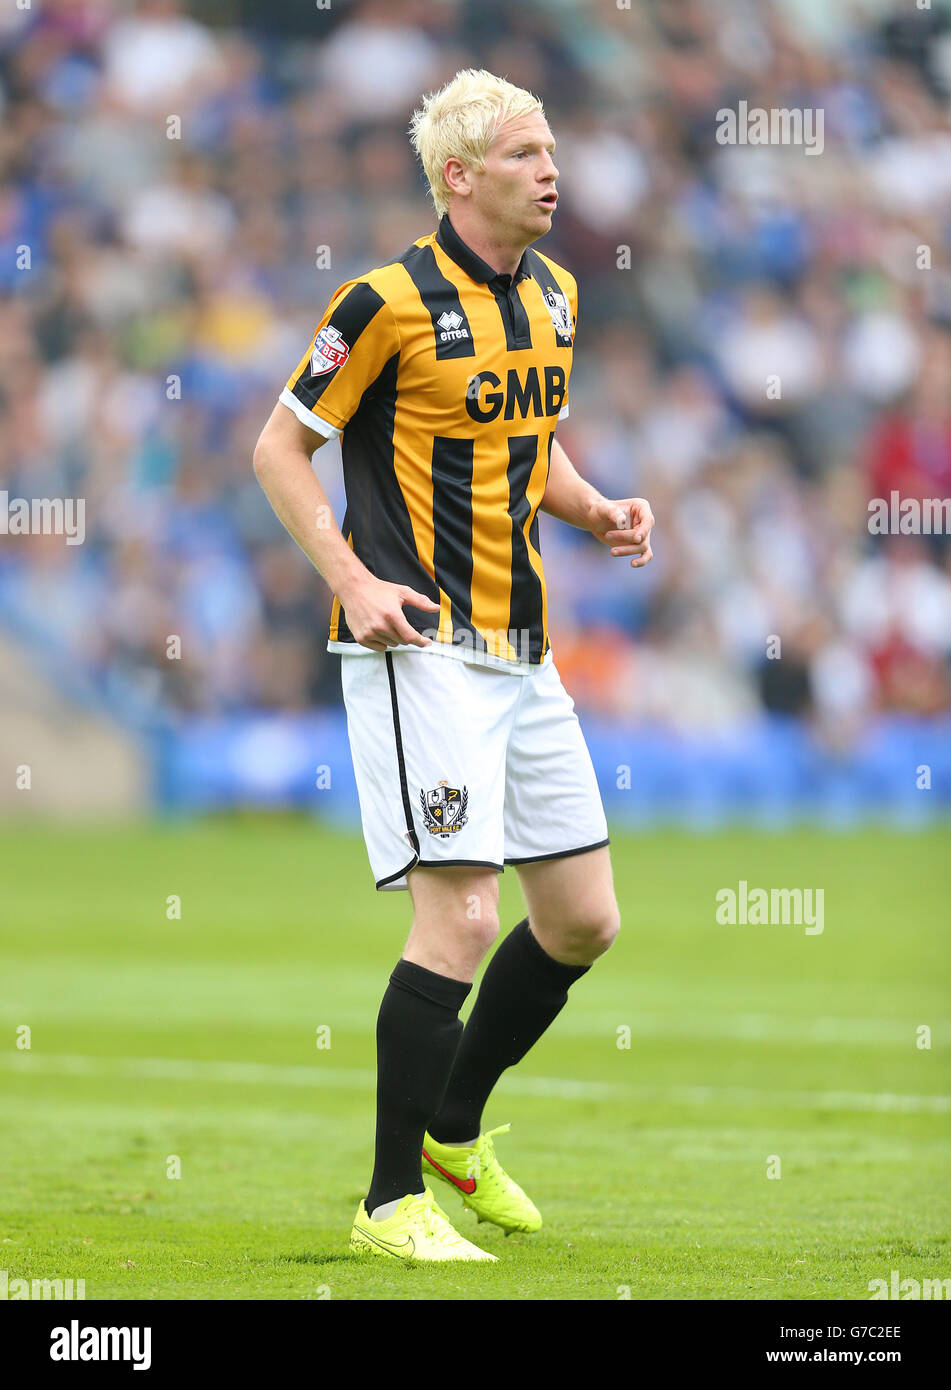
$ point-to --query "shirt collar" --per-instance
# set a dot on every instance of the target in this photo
(474, 266)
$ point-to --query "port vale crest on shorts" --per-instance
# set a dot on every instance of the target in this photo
(445, 381)
(444, 809)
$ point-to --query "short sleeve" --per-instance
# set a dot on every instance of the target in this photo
(355, 340)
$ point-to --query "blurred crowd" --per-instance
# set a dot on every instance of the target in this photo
(182, 187)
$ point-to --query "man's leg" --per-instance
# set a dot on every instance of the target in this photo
(572, 919)
(455, 921)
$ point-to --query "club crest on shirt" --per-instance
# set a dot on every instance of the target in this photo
(330, 351)
(560, 312)
(444, 808)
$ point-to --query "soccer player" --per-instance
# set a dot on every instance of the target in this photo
(445, 373)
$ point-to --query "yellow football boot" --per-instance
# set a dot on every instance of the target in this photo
(418, 1230)
(483, 1183)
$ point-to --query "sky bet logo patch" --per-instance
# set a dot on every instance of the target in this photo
(330, 351)
(451, 324)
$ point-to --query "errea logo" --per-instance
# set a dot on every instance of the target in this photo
(451, 324)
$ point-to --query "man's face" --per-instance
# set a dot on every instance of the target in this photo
(515, 193)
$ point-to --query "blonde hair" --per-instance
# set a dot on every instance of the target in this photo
(460, 121)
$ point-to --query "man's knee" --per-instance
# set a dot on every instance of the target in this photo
(598, 927)
(479, 918)
(585, 933)
(455, 918)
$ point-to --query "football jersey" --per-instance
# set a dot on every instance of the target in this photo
(445, 381)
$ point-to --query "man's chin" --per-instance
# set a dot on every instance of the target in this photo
(540, 222)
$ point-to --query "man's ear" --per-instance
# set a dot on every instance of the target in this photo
(458, 177)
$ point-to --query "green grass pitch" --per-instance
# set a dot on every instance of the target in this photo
(197, 1039)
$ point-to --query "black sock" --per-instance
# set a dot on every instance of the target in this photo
(417, 1036)
(522, 991)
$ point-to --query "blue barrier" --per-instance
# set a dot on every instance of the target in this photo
(771, 771)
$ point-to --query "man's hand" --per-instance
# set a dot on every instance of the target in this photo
(624, 525)
(374, 610)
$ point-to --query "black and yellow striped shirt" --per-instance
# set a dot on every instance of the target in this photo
(446, 380)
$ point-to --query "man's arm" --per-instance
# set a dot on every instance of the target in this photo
(623, 524)
(567, 495)
(373, 607)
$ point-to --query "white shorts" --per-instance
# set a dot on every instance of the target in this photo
(457, 763)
